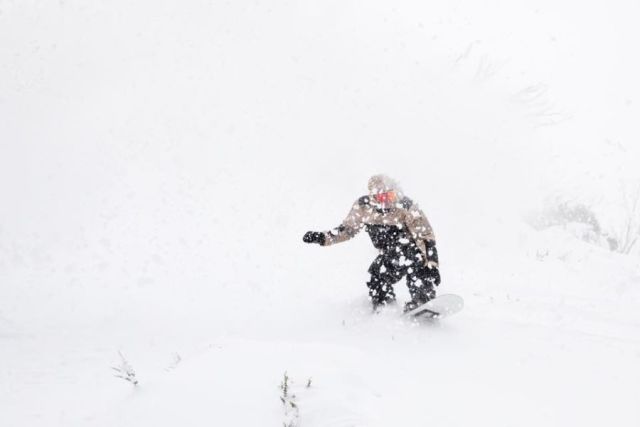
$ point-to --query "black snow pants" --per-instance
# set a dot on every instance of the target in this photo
(400, 257)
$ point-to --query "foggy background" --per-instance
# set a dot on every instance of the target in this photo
(160, 162)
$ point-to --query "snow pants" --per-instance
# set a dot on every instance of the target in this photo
(399, 261)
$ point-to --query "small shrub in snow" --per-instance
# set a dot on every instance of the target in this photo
(541, 255)
(291, 410)
(620, 233)
(125, 371)
(577, 218)
(175, 362)
(624, 237)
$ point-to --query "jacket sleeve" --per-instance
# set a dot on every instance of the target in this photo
(352, 224)
(422, 233)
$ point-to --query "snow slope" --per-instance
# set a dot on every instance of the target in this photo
(160, 161)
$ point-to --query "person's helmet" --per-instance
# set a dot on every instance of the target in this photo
(383, 189)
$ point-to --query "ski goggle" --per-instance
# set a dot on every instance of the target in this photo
(386, 197)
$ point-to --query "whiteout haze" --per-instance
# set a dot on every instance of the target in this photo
(160, 161)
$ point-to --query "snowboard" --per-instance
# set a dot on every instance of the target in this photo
(438, 308)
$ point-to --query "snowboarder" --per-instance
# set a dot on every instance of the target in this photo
(402, 233)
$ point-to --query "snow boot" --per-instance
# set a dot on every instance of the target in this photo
(378, 303)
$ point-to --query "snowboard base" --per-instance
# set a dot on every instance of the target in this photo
(438, 308)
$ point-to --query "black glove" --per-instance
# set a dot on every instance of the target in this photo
(314, 237)
(434, 276)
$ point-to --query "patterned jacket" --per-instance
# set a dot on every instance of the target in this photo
(404, 214)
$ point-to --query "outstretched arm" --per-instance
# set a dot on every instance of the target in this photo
(351, 225)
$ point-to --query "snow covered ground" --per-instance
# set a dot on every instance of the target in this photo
(160, 162)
